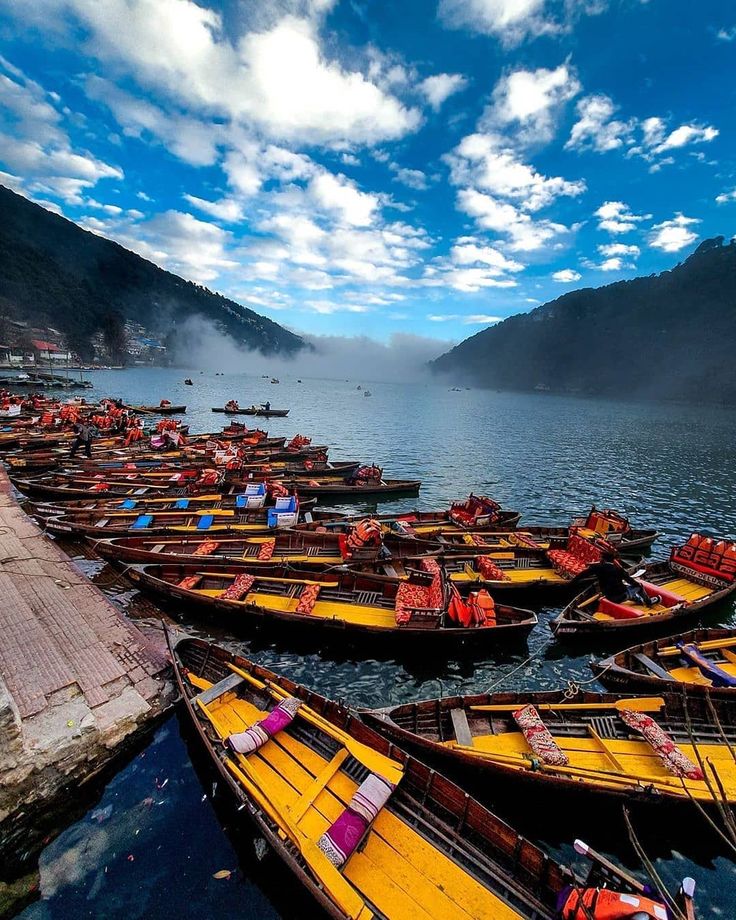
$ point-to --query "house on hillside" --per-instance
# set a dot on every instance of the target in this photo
(49, 353)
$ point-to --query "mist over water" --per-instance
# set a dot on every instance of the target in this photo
(402, 358)
(547, 456)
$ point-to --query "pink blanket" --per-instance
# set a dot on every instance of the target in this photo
(257, 735)
(342, 837)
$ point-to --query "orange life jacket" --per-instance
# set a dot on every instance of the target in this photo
(605, 904)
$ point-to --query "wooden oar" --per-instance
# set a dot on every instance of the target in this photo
(635, 704)
(373, 760)
(595, 857)
(709, 646)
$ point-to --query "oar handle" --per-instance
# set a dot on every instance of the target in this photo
(594, 856)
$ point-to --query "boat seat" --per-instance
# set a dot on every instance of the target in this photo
(460, 727)
(646, 662)
(142, 521)
(205, 522)
(128, 504)
(605, 726)
(157, 548)
(102, 522)
(226, 685)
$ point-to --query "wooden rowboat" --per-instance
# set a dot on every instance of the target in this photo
(107, 507)
(333, 602)
(347, 488)
(253, 410)
(431, 852)
(683, 593)
(307, 550)
(203, 522)
(158, 410)
(700, 661)
(592, 746)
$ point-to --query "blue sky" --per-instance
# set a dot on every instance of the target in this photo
(372, 167)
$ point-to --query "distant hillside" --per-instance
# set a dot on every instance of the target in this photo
(668, 336)
(53, 273)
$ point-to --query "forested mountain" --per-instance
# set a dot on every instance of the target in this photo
(668, 336)
(54, 273)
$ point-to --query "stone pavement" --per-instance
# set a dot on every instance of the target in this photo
(76, 677)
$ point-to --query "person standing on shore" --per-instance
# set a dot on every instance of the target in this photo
(83, 436)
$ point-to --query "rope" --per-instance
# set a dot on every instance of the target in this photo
(523, 664)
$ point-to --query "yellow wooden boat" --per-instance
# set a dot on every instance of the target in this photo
(590, 745)
(430, 851)
(699, 661)
(339, 602)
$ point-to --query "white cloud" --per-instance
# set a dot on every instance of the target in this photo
(472, 319)
(687, 134)
(617, 217)
(182, 50)
(525, 234)
(596, 129)
(487, 162)
(228, 210)
(611, 265)
(441, 86)
(619, 249)
(530, 100)
(674, 234)
(512, 21)
(35, 147)
(189, 139)
(725, 197)
(566, 276)
(342, 196)
(412, 178)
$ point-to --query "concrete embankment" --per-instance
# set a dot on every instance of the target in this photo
(78, 681)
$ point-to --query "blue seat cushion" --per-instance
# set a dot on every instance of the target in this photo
(143, 520)
(205, 522)
(181, 503)
(129, 503)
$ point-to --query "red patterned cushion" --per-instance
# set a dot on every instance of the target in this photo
(190, 581)
(408, 596)
(239, 588)
(206, 548)
(539, 738)
(307, 599)
(489, 570)
(266, 550)
(668, 752)
(566, 563)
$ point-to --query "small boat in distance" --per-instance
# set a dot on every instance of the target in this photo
(275, 380)
(188, 382)
(367, 393)
(163, 408)
(261, 411)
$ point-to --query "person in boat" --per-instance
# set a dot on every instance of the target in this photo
(616, 584)
(84, 433)
(232, 405)
(267, 406)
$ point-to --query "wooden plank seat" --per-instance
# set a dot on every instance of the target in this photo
(460, 727)
(226, 685)
(646, 662)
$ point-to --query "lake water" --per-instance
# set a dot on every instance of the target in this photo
(152, 843)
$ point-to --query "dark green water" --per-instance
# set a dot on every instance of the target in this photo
(671, 467)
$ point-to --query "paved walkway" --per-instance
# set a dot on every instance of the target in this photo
(75, 676)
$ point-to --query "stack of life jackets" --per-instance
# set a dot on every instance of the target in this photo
(166, 424)
(363, 535)
(478, 610)
(298, 441)
(367, 474)
(466, 513)
(707, 556)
